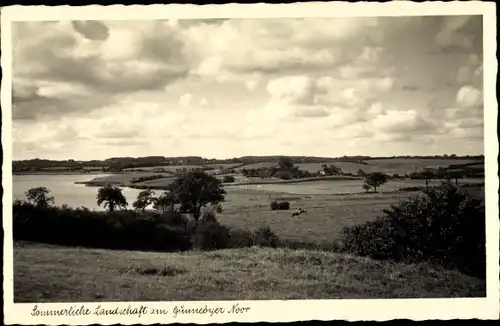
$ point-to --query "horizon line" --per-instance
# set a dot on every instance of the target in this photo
(249, 156)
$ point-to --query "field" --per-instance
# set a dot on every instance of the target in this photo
(168, 168)
(408, 165)
(326, 216)
(257, 165)
(120, 178)
(225, 166)
(400, 166)
(56, 274)
(391, 166)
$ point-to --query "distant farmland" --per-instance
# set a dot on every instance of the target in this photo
(403, 166)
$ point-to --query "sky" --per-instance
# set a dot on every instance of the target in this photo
(223, 88)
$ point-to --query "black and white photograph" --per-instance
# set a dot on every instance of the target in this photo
(247, 158)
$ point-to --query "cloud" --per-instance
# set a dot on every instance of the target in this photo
(185, 99)
(203, 101)
(252, 82)
(468, 96)
(401, 121)
(93, 30)
(244, 46)
(92, 58)
(453, 32)
(396, 84)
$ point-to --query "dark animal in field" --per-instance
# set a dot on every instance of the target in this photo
(299, 211)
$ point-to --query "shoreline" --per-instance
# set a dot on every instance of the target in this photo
(63, 173)
(92, 183)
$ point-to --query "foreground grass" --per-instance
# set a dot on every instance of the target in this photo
(45, 273)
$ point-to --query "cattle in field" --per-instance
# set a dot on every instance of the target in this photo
(299, 211)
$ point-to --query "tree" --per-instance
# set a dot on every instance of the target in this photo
(228, 179)
(428, 175)
(454, 174)
(112, 197)
(366, 187)
(144, 199)
(164, 202)
(285, 163)
(361, 173)
(39, 197)
(195, 190)
(335, 170)
(375, 180)
(445, 225)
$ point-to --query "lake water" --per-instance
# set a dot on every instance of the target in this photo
(65, 191)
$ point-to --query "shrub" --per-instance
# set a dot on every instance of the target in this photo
(210, 235)
(228, 179)
(209, 216)
(164, 271)
(264, 237)
(442, 225)
(274, 205)
(126, 230)
(239, 238)
(284, 205)
(174, 219)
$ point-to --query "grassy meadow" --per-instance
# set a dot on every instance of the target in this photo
(45, 273)
(326, 215)
(56, 273)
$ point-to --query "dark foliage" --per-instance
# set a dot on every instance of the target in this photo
(195, 190)
(375, 179)
(111, 197)
(228, 179)
(40, 197)
(443, 225)
(210, 235)
(264, 237)
(283, 205)
(127, 230)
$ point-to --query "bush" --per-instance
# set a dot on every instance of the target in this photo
(174, 219)
(264, 237)
(126, 230)
(210, 235)
(228, 179)
(443, 225)
(209, 216)
(239, 238)
(284, 205)
(147, 178)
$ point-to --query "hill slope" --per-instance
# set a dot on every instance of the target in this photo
(48, 273)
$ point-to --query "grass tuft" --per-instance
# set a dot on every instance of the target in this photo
(162, 271)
